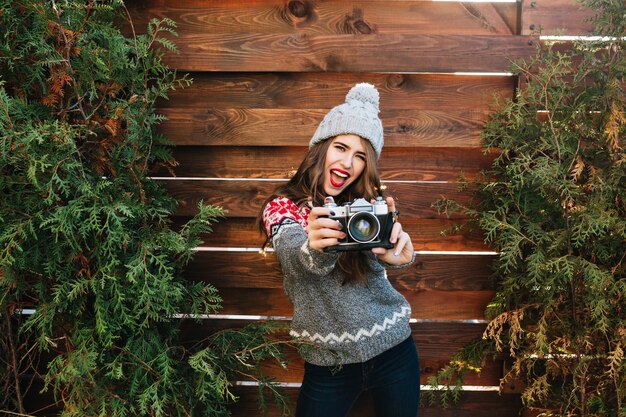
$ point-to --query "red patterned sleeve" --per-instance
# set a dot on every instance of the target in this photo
(281, 211)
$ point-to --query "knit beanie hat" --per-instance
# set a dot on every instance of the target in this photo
(357, 116)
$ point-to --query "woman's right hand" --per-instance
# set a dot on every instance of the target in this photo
(323, 231)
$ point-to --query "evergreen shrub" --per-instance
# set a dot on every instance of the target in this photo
(553, 205)
(86, 237)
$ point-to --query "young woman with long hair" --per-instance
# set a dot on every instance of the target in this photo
(355, 323)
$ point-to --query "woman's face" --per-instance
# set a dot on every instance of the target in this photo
(345, 161)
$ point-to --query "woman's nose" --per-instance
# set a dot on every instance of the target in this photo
(347, 161)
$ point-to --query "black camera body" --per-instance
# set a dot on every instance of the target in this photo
(366, 225)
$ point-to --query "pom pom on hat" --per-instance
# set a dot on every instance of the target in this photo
(357, 116)
(365, 93)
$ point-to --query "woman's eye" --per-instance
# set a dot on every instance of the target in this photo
(361, 157)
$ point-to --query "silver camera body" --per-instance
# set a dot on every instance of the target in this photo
(367, 225)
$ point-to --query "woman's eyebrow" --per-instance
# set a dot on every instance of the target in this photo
(348, 147)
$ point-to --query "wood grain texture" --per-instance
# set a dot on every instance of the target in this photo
(329, 17)
(435, 340)
(563, 17)
(278, 109)
(426, 304)
(489, 376)
(490, 17)
(436, 344)
(289, 127)
(243, 198)
(471, 404)
(429, 272)
(426, 234)
(314, 90)
(266, 71)
(395, 163)
(397, 52)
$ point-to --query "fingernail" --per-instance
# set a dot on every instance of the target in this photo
(340, 225)
(332, 213)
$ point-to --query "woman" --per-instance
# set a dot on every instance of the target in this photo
(356, 324)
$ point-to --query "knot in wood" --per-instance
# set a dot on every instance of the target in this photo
(395, 80)
(356, 24)
(403, 128)
(299, 9)
(362, 27)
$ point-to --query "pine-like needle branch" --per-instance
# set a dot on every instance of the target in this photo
(553, 205)
(86, 239)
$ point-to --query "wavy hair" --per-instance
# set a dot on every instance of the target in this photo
(307, 185)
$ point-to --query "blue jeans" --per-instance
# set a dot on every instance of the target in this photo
(393, 378)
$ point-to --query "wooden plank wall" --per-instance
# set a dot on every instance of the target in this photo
(266, 71)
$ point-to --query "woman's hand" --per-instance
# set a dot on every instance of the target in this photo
(402, 251)
(323, 232)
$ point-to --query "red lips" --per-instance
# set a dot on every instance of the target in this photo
(338, 177)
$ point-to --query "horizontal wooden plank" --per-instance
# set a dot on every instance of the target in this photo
(316, 90)
(435, 340)
(426, 234)
(285, 109)
(244, 198)
(436, 345)
(255, 270)
(397, 52)
(426, 304)
(489, 376)
(329, 17)
(396, 163)
(282, 127)
(556, 17)
(471, 404)
(42, 404)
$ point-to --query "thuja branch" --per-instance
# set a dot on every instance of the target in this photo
(559, 225)
(86, 235)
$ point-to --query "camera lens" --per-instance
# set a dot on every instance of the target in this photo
(363, 227)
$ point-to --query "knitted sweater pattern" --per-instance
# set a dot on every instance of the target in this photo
(349, 322)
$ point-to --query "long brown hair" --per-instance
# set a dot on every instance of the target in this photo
(307, 184)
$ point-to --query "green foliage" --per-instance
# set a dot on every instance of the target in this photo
(85, 234)
(554, 206)
(447, 384)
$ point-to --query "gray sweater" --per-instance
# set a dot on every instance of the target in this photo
(350, 322)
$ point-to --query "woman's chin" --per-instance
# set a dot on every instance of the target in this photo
(332, 191)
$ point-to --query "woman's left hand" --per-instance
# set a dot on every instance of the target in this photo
(402, 251)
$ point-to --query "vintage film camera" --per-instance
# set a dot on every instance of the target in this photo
(366, 225)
